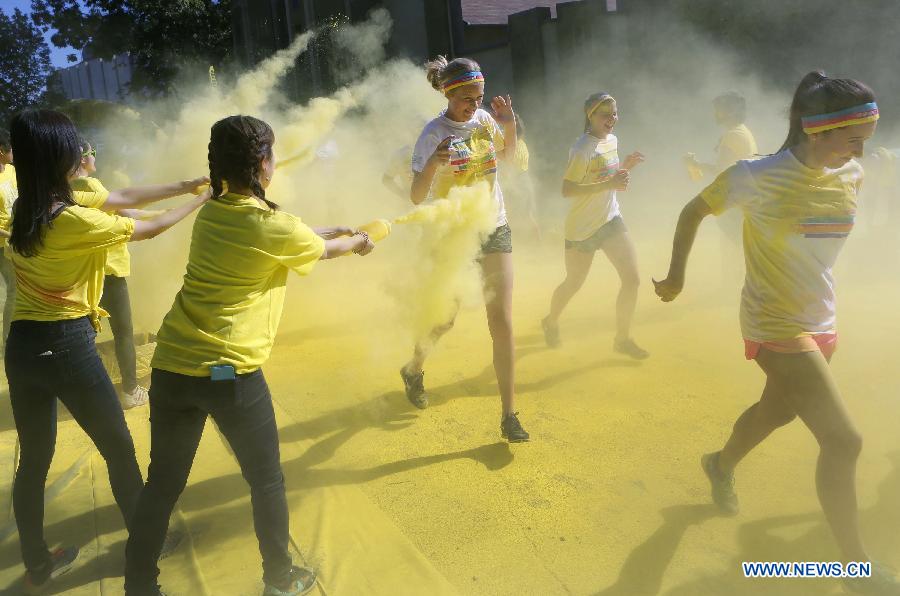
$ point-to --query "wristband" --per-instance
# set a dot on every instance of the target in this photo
(365, 236)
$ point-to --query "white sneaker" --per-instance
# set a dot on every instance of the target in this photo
(135, 399)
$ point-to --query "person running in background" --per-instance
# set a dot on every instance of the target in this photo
(90, 192)
(519, 184)
(799, 207)
(58, 250)
(8, 193)
(735, 144)
(592, 178)
(398, 175)
(463, 146)
(213, 343)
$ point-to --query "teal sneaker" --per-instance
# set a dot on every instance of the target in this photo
(303, 579)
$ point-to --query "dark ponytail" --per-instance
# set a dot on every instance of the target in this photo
(817, 94)
(237, 146)
(45, 143)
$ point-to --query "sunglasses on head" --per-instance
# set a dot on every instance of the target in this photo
(90, 152)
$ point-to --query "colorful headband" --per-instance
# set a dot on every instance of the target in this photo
(867, 112)
(466, 78)
(600, 101)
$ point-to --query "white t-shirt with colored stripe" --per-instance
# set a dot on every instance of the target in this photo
(591, 160)
(796, 221)
(473, 155)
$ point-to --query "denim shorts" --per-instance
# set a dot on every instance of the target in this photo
(499, 241)
(595, 241)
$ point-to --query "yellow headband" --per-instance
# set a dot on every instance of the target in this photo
(600, 101)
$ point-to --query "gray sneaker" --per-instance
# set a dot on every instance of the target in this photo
(722, 485)
(511, 429)
(303, 579)
(882, 582)
(414, 384)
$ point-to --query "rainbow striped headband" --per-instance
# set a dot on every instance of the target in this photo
(600, 101)
(466, 78)
(867, 112)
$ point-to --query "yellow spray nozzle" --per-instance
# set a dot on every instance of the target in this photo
(377, 230)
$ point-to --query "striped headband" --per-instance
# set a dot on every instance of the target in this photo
(466, 78)
(600, 101)
(867, 112)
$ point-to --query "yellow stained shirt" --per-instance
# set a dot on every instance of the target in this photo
(64, 280)
(90, 192)
(228, 310)
(736, 144)
(796, 221)
(9, 192)
(591, 160)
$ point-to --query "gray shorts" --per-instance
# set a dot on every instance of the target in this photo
(500, 240)
(595, 242)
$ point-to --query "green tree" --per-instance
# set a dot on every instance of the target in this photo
(24, 64)
(164, 37)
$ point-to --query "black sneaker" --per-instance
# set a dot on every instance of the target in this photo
(61, 561)
(551, 333)
(302, 581)
(511, 429)
(631, 349)
(882, 582)
(722, 485)
(414, 383)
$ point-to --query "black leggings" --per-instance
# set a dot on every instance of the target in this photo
(116, 302)
(46, 360)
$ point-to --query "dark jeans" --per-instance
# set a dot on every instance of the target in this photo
(116, 302)
(46, 360)
(242, 408)
(9, 278)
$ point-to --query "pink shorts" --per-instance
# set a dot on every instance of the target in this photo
(820, 342)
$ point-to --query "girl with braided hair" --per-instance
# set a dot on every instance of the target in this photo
(213, 342)
(799, 207)
(458, 148)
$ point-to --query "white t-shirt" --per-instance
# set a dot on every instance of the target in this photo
(796, 221)
(591, 160)
(473, 155)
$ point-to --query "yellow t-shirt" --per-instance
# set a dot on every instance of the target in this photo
(9, 192)
(591, 160)
(736, 144)
(64, 280)
(228, 310)
(90, 192)
(796, 221)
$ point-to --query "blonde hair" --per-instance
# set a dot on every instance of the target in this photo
(592, 103)
(439, 70)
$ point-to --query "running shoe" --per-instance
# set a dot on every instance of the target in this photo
(882, 582)
(551, 333)
(722, 485)
(136, 398)
(414, 383)
(61, 561)
(631, 349)
(302, 581)
(511, 429)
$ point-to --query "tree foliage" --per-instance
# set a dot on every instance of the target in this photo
(162, 36)
(24, 64)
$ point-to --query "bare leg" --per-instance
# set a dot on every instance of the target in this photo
(497, 269)
(815, 398)
(621, 253)
(578, 265)
(424, 347)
